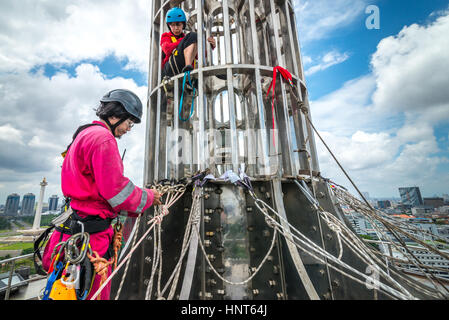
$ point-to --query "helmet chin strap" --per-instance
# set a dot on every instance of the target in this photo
(113, 127)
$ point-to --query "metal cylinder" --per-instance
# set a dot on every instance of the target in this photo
(232, 125)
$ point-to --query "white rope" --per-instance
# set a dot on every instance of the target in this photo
(155, 220)
(194, 218)
(355, 240)
(317, 249)
(359, 248)
(273, 241)
(124, 260)
(344, 234)
(136, 226)
(157, 258)
(335, 228)
(358, 206)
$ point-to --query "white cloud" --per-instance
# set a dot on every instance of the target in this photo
(46, 113)
(306, 60)
(353, 150)
(343, 111)
(9, 133)
(318, 19)
(37, 142)
(382, 126)
(411, 71)
(36, 32)
(328, 60)
(40, 114)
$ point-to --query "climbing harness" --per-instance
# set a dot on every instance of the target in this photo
(174, 40)
(157, 219)
(76, 278)
(39, 243)
(81, 264)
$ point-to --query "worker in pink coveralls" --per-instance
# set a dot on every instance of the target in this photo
(92, 177)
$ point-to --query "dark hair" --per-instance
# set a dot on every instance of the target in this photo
(113, 109)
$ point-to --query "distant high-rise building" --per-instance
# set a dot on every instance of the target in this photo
(411, 196)
(28, 204)
(435, 202)
(12, 204)
(383, 204)
(53, 203)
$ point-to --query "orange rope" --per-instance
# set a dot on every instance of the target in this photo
(101, 266)
(117, 240)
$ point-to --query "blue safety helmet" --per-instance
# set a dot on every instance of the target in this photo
(176, 14)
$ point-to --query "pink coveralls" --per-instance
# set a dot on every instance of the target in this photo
(92, 176)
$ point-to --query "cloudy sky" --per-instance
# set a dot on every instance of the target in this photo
(379, 97)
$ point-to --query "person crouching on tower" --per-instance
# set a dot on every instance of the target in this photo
(92, 178)
(179, 50)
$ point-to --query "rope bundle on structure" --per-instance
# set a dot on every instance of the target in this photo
(345, 198)
(156, 220)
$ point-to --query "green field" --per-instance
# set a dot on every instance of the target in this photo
(16, 246)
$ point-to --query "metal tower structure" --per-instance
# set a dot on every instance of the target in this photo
(232, 129)
(231, 125)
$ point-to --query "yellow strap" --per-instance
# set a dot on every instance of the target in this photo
(175, 53)
(173, 39)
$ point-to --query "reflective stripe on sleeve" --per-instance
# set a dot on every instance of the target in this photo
(143, 201)
(122, 195)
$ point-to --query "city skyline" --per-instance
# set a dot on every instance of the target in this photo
(362, 86)
(365, 194)
(24, 201)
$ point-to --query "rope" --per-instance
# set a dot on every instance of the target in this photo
(172, 197)
(315, 251)
(101, 266)
(124, 260)
(186, 75)
(388, 227)
(310, 247)
(136, 226)
(273, 241)
(337, 226)
(346, 198)
(155, 220)
(194, 219)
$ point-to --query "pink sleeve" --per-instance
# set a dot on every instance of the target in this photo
(118, 190)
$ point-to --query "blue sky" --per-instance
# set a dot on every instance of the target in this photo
(378, 97)
(359, 118)
(361, 43)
